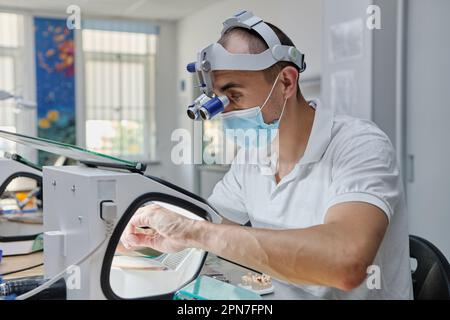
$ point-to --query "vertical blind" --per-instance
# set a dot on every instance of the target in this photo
(11, 46)
(119, 67)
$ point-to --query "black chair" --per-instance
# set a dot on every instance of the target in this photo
(431, 279)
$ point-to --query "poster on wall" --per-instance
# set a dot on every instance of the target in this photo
(344, 90)
(55, 82)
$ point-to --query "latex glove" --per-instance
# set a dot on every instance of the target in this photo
(166, 233)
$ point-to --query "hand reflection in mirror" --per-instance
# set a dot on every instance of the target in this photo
(156, 227)
(153, 256)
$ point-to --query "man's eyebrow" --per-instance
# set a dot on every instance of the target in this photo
(230, 85)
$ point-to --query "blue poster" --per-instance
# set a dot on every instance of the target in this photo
(55, 82)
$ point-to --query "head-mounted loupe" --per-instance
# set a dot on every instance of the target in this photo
(216, 57)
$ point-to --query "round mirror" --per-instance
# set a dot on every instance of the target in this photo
(143, 272)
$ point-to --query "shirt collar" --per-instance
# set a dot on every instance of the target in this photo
(320, 136)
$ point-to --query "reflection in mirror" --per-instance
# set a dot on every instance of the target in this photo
(144, 272)
(22, 197)
(21, 216)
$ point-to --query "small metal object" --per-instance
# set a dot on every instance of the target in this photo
(73, 188)
(54, 183)
(206, 65)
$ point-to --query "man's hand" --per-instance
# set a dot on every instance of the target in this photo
(158, 228)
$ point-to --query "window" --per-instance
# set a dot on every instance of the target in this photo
(11, 55)
(119, 72)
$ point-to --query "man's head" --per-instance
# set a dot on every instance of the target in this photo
(247, 89)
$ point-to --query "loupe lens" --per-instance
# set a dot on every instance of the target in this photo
(203, 114)
(191, 114)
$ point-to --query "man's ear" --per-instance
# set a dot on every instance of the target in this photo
(289, 79)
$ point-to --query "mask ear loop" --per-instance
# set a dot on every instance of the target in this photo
(270, 93)
(281, 115)
(285, 101)
(274, 159)
(282, 111)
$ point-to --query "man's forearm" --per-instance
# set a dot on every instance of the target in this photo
(316, 256)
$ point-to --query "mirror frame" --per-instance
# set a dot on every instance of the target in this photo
(19, 174)
(120, 226)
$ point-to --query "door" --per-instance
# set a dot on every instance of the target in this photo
(427, 123)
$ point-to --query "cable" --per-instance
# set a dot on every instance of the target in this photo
(13, 288)
(20, 270)
(47, 284)
(59, 275)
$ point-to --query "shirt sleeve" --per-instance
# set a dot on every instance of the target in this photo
(365, 170)
(228, 196)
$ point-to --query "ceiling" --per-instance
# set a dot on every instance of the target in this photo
(142, 9)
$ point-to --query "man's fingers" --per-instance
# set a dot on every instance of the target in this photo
(141, 240)
(135, 240)
(142, 217)
(145, 230)
(125, 242)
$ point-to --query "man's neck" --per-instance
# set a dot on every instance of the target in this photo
(294, 131)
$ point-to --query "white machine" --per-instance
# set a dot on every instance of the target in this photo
(86, 208)
(79, 200)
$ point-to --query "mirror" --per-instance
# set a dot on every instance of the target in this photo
(21, 216)
(143, 272)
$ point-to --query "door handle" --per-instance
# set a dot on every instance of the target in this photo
(410, 168)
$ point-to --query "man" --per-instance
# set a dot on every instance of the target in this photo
(331, 213)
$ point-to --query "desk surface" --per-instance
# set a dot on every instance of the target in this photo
(234, 274)
(212, 265)
(13, 263)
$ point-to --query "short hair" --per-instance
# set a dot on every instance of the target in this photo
(257, 44)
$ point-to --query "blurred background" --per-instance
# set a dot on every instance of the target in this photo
(119, 86)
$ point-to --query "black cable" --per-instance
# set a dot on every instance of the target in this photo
(239, 265)
(20, 270)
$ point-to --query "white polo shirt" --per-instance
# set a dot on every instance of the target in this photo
(346, 159)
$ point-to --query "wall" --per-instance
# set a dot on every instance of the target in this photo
(402, 85)
(300, 19)
(373, 88)
(385, 70)
(166, 105)
(347, 58)
(428, 131)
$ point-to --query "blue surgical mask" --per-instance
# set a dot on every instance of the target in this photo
(247, 126)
